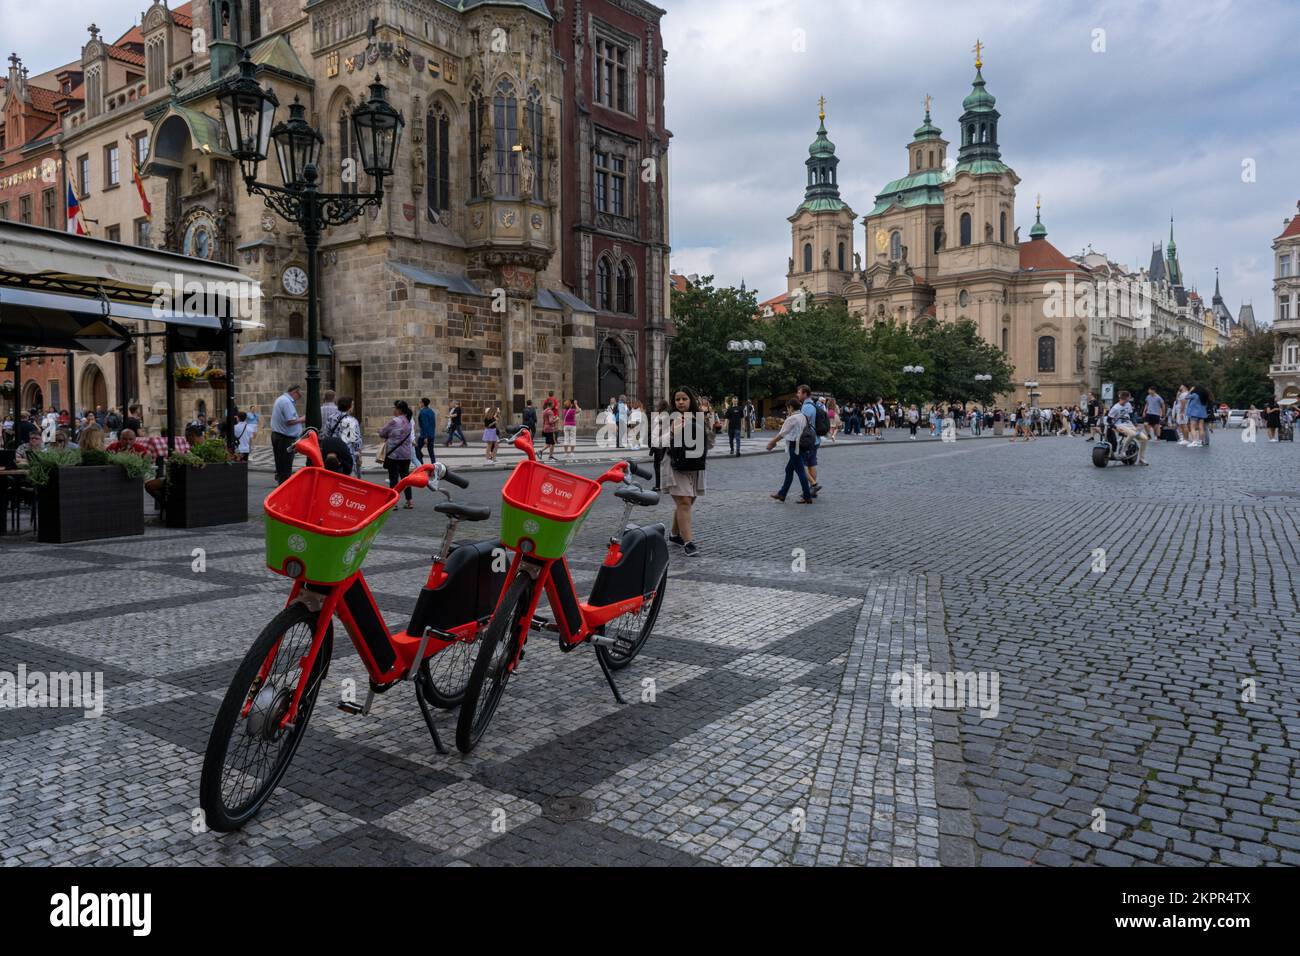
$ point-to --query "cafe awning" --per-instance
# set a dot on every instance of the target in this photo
(52, 283)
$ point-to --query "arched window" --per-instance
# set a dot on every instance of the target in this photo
(254, 19)
(438, 162)
(965, 229)
(970, 133)
(1002, 227)
(1046, 353)
(963, 298)
(347, 149)
(895, 245)
(477, 147)
(1291, 352)
(625, 301)
(807, 257)
(840, 258)
(536, 139)
(1006, 339)
(611, 371)
(931, 157)
(918, 159)
(938, 238)
(505, 124)
(602, 284)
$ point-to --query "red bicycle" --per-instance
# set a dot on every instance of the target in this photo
(319, 528)
(542, 509)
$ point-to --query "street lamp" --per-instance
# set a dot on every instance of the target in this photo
(913, 370)
(247, 113)
(1030, 386)
(746, 346)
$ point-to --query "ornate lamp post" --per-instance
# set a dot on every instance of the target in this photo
(248, 112)
(910, 370)
(746, 346)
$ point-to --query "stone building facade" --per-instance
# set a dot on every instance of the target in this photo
(1285, 370)
(615, 189)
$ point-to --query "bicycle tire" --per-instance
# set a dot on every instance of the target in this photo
(447, 673)
(219, 812)
(617, 661)
(499, 645)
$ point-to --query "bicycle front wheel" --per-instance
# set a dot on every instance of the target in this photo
(631, 631)
(499, 645)
(447, 673)
(249, 752)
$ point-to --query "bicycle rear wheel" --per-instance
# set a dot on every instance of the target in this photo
(248, 754)
(631, 631)
(447, 673)
(499, 645)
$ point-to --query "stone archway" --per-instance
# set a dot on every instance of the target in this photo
(92, 390)
(33, 397)
(612, 370)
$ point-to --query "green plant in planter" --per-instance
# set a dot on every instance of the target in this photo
(185, 373)
(94, 456)
(41, 465)
(135, 466)
(211, 451)
(215, 374)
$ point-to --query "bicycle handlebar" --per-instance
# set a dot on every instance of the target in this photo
(416, 479)
(641, 471)
(455, 479)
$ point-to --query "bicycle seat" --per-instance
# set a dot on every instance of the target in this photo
(638, 497)
(465, 512)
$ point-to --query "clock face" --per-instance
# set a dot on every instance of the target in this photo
(199, 237)
(882, 239)
(294, 280)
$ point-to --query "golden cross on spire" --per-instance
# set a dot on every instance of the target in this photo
(821, 108)
(927, 103)
(978, 48)
(1038, 202)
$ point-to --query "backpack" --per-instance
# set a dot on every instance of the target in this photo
(823, 424)
(807, 439)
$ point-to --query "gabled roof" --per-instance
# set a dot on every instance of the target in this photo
(778, 304)
(125, 56)
(1041, 256)
(183, 16)
(1156, 272)
(1246, 317)
(1292, 229)
(679, 282)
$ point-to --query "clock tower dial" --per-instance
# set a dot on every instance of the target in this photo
(294, 280)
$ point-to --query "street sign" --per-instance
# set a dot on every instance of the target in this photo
(755, 360)
(1107, 391)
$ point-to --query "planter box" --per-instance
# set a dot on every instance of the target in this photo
(214, 494)
(186, 383)
(89, 502)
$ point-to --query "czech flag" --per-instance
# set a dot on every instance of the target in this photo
(74, 213)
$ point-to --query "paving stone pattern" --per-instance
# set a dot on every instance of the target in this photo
(760, 728)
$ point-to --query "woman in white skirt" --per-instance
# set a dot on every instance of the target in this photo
(683, 467)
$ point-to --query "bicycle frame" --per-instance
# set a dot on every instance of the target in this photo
(576, 621)
(389, 656)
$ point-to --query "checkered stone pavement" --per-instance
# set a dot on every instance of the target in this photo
(1159, 696)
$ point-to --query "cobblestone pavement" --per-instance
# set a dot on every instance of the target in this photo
(1143, 714)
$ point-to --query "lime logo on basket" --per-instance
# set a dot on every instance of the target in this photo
(530, 526)
(548, 488)
(297, 543)
(350, 554)
(336, 500)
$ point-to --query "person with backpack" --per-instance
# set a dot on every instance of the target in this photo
(821, 425)
(792, 432)
(689, 440)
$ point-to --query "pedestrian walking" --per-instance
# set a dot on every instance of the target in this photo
(453, 426)
(348, 430)
(426, 422)
(1272, 415)
(636, 424)
(570, 419)
(286, 429)
(794, 429)
(329, 409)
(683, 475)
(735, 415)
(242, 436)
(1153, 412)
(660, 430)
(491, 421)
(398, 447)
(530, 418)
(913, 419)
(550, 425)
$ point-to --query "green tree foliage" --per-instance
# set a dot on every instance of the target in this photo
(822, 347)
(706, 319)
(1236, 373)
(957, 354)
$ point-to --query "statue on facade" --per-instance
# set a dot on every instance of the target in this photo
(857, 262)
(527, 174)
(826, 258)
(487, 173)
(791, 269)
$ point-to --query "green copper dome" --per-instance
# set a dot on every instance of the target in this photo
(821, 146)
(927, 130)
(979, 100)
(1039, 231)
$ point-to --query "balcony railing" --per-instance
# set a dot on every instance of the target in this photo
(1284, 370)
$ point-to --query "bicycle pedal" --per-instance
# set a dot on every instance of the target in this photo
(349, 708)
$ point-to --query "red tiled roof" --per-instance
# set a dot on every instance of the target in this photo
(184, 15)
(679, 283)
(1041, 256)
(779, 304)
(1292, 229)
(126, 56)
(132, 35)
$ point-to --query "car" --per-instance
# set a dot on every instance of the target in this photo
(1236, 418)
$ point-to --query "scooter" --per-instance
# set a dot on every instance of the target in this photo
(1114, 447)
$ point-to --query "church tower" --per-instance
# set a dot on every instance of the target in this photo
(821, 229)
(980, 198)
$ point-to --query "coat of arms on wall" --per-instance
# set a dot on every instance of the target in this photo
(435, 69)
(332, 64)
(449, 68)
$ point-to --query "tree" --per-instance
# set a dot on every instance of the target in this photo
(706, 319)
(1163, 362)
(822, 347)
(957, 354)
(1241, 371)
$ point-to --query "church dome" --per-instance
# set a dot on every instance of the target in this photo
(979, 99)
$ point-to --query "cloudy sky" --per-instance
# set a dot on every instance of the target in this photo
(1158, 124)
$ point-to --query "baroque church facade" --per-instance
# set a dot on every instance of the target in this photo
(942, 241)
